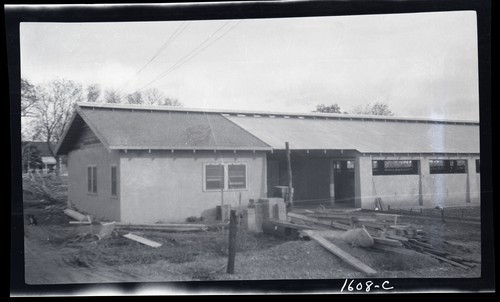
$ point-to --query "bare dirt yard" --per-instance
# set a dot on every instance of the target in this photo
(56, 253)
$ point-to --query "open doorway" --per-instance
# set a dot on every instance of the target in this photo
(343, 182)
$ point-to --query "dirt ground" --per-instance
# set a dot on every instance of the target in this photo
(56, 254)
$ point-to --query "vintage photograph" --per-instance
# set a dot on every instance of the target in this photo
(292, 148)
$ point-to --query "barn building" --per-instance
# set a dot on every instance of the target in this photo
(142, 164)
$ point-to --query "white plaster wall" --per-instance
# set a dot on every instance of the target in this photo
(102, 204)
(168, 187)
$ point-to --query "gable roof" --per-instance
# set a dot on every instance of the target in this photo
(142, 128)
(136, 127)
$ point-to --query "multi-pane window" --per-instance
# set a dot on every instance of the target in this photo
(91, 179)
(236, 175)
(447, 166)
(395, 167)
(214, 177)
(114, 181)
(225, 177)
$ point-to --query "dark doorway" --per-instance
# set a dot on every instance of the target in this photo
(343, 182)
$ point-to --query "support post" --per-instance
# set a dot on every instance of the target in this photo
(233, 228)
(290, 183)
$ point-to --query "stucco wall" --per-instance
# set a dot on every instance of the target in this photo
(426, 190)
(102, 204)
(168, 187)
(398, 191)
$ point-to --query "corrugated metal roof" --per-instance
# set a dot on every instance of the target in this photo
(143, 129)
(367, 136)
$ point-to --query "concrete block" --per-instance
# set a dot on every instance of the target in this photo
(260, 215)
(249, 221)
(251, 203)
(279, 211)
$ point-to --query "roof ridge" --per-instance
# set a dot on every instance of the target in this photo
(270, 113)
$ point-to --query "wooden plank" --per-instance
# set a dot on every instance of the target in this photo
(447, 261)
(386, 241)
(75, 215)
(142, 240)
(294, 225)
(326, 233)
(331, 224)
(397, 250)
(80, 222)
(346, 257)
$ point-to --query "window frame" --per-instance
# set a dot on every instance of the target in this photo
(445, 165)
(225, 187)
(92, 180)
(205, 165)
(380, 169)
(227, 173)
(115, 167)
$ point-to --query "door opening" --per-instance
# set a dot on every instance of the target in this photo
(343, 182)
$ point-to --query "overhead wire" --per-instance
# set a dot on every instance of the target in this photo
(196, 51)
(177, 32)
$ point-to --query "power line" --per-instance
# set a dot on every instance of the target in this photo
(167, 43)
(178, 31)
(197, 50)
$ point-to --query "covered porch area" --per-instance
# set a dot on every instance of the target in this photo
(319, 177)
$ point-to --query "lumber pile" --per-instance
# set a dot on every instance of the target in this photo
(387, 232)
(163, 227)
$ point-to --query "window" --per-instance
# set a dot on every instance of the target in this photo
(214, 177)
(447, 166)
(114, 184)
(236, 176)
(395, 167)
(92, 179)
(225, 177)
(478, 166)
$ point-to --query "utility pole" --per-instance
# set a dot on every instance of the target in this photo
(290, 186)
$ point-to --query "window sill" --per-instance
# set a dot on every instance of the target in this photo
(93, 194)
(226, 190)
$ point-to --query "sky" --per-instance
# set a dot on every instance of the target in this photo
(422, 65)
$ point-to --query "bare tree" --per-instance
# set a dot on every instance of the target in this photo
(375, 108)
(112, 96)
(171, 102)
(153, 96)
(28, 98)
(93, 92)
(54, 108)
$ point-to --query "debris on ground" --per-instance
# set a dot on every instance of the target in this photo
(142, 240)
(384, 231)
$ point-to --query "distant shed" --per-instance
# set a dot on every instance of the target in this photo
(144, 164)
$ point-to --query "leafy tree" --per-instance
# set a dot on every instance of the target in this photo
(334, 108)
(376, 108)
(93, 92)
(135, 98)
(112, 96)
(53, 111)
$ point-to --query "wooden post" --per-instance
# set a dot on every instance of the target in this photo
(290, 183)
(233, 227)
(222, 189)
